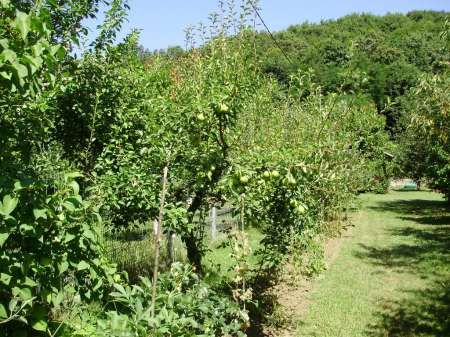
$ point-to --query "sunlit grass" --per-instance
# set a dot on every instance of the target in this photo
(391, 277)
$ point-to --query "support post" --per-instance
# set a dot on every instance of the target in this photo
(213, 222)
(158, 240)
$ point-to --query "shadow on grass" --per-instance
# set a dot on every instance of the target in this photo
(423, 313)
(415, 208)
(428, 253)
(435, 220)
(424, 252)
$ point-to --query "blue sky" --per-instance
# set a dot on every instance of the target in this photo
(162, 22)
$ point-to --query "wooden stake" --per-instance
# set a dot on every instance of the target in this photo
(158, 240)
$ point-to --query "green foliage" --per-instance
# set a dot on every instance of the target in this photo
(186, 306)
(424, 146)
(307, 255)
(141, 117)
(50, 248)
(47, 238)
(301, 163)
(288, 157)
(389, 52)
(25, 50)
(114, 18)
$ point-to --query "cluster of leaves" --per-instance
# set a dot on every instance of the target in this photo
(294, 177)
(425, 143)
(26, 48)
(186, 306)
(133, 118)
(307, 255)
(49, 251)
(119, 121)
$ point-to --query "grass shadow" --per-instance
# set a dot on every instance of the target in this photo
(423, 250)
(415, 208)
(435, 220)
(426, 255)
(422, 313)
(264, 303)
(426, 248)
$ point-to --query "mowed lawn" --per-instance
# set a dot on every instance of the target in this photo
(392, 276)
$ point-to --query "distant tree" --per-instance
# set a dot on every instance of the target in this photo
(389, 53)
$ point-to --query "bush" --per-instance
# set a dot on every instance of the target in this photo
(186, 306)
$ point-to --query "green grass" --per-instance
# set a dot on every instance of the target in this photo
(392, 274)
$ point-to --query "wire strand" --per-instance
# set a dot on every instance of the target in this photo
(270, 33)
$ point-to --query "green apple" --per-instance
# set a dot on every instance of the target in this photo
(201, 117)
(244, 179)
(275, 174)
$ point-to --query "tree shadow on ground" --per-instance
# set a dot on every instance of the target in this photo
(427, 254)
(435, 220)
(422, 313)
(415, 207)
(426, 248)
(424, 252)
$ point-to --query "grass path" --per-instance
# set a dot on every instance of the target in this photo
(392, 275)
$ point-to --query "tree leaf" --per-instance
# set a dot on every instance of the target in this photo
(3, 238)
(24, 293)
(4, 43)
(9, 55)
(69, 206)
(39, 318)
(75, 186)
(8, 205)
(58, 298)
(72, 175)
(22, 23)
(22, 71)
(88, 234)
(6, 75)
(3, 313)
(5, 278)
(35, 63)
(63, 266)
(29, 282)
(68, 237)
(39, 213)
(82, 265)
(18, 186)
(13, 304)
(39, 325)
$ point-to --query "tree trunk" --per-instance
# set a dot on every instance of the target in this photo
(194, 254)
